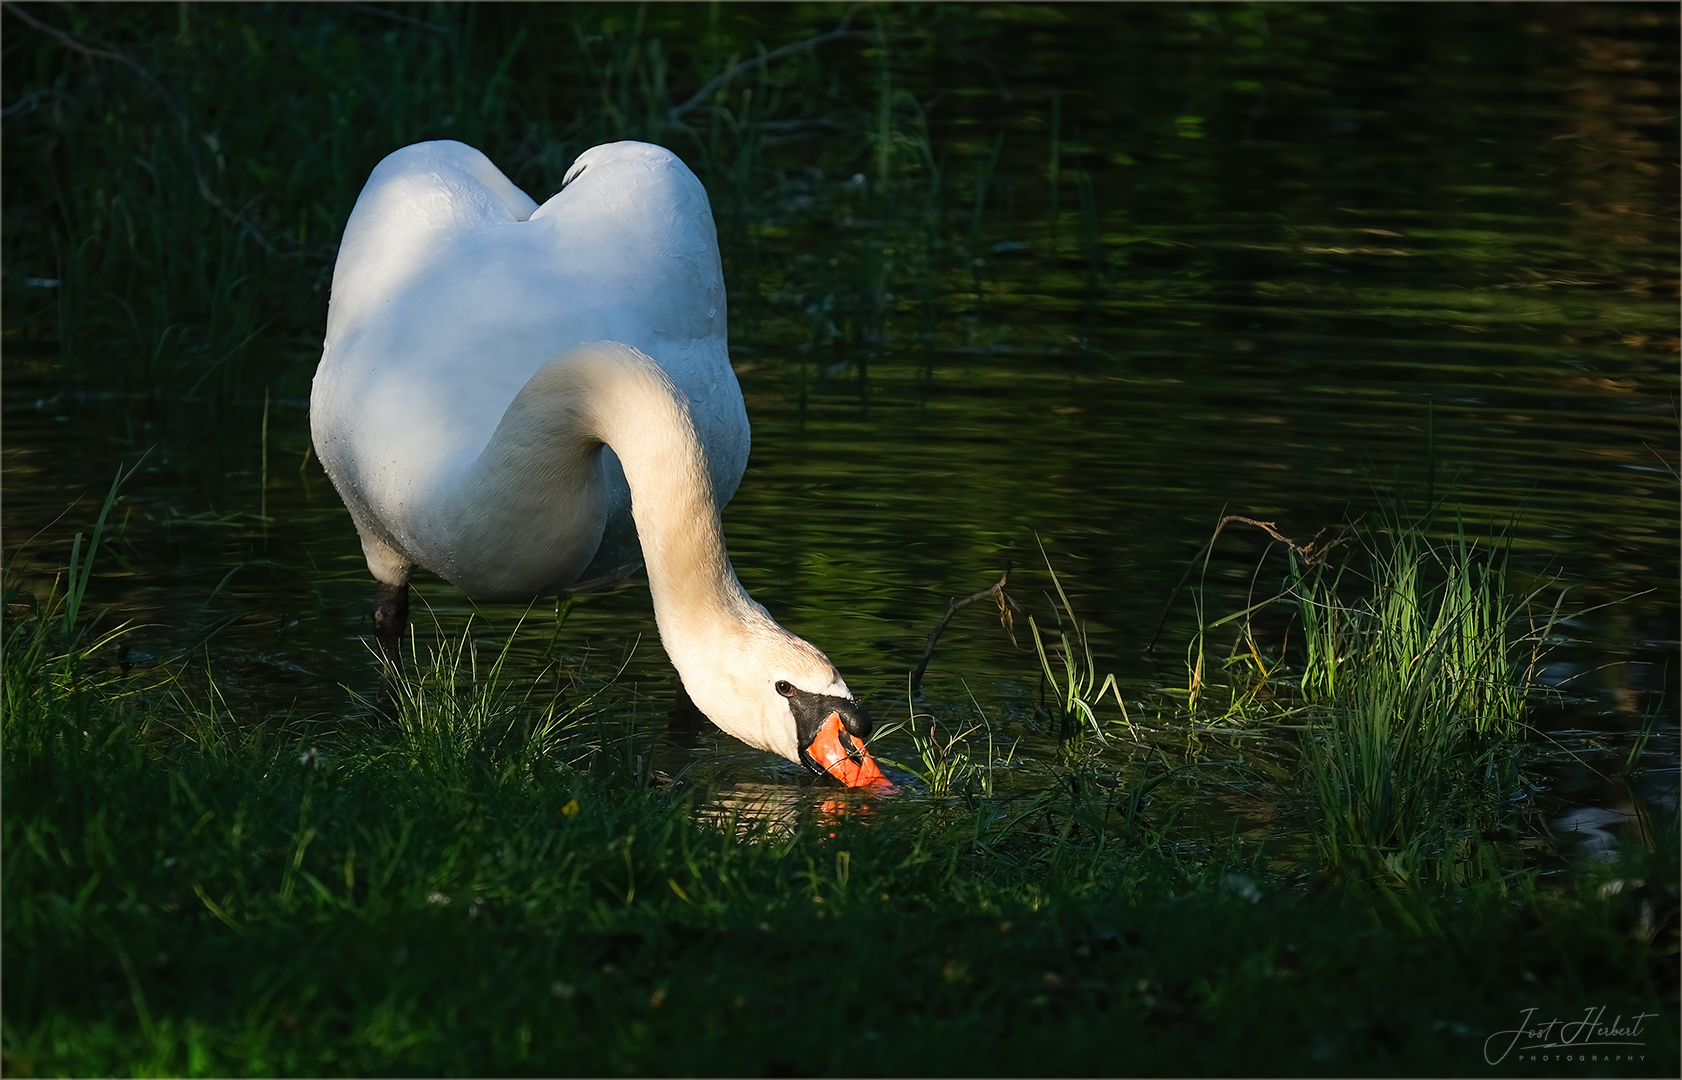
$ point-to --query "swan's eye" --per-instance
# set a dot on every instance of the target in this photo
(784, 688)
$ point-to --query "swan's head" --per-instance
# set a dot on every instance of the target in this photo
(830, 730)
(776, 692)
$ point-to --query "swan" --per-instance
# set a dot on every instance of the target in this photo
(529, 400)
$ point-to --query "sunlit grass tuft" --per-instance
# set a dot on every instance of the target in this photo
(1406, 670)
(952, 764)
(1418, 691)
(1073, 677)
(451, 705)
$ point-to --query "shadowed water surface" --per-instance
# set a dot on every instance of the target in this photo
(1147, 267)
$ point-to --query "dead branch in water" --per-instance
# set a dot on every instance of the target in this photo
(1309, 553)
(844, 29)
(1006, 606)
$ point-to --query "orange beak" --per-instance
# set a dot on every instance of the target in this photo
(847, 761)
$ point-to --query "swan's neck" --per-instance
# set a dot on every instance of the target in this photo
(638, 410)
(607, 393)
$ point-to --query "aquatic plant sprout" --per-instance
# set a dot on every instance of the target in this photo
(1074, 678)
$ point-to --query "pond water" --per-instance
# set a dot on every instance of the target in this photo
(1163, 265)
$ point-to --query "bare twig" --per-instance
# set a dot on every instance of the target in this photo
(842, 30)
(997, 592)
(1310, 553)
(790, 127)
(31, 101)
(399, 18)
(100, 50)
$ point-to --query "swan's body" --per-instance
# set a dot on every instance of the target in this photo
(512, 396)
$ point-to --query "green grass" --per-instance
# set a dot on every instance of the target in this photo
(1417, 692)
(489, 885)
(1073, 679)
(239, 907)
(964, 763)
(1406, 671)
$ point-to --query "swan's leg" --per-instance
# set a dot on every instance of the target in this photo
(391, 622)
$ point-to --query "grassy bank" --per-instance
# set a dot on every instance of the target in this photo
(487, 887)
(214, 909)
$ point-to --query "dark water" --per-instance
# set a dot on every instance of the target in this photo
(1166, 264)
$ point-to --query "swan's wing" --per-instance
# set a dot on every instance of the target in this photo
(452, 288)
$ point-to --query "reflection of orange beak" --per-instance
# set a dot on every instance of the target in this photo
(847, 761)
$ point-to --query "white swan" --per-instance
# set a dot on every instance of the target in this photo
(511, 395)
